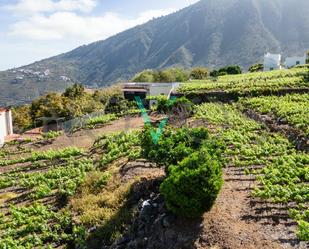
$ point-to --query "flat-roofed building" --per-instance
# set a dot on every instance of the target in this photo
(6, 124)
(272, 62)
(294, 61)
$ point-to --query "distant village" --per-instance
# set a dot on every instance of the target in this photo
(21, 74)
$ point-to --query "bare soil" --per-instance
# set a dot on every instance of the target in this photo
(85, 138)
(237, 220)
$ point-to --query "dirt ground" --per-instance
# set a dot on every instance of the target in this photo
(226, 225)
(84, 139)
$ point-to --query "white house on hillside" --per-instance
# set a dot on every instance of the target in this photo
(294, 61)
(6, 124)
(272, 62)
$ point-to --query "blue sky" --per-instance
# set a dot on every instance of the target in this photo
(31, 30)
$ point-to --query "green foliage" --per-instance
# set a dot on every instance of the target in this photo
(167, 75)
(172, 106)
(233, 69)
(33, 223)
(173, 145)
(193, 185)
(74, 102)
(199, 73)
(291, 109)
(46, 155)
(303, 230)
(117, 104)
(307, 59)
(22, 118)
(113, 147)
(256, 68)
(214, 73)
(251, 83)
(100, 120)
(75, 91)
(51, 135)
(284, 175)
(146, 76)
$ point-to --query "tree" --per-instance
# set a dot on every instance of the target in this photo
(145, 76)
(75, 91)
(199, 73)
(167, 75)
(214, 73)
(307, 60)
(256, 68)
(232, 69)
(22, 118)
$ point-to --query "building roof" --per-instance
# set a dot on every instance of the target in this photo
(134, 90)
(4, 109)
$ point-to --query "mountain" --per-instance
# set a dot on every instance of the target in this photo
(211, 33)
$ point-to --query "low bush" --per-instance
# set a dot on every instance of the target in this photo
(192, 186)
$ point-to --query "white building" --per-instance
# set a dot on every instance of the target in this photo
(6, 124)
(165, 89)
(143, 90)
(294, 61)
(272, 62)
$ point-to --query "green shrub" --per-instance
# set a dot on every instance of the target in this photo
(192, 186)
(51, 135)
(100, 120)
(256, 68)
(199, 73)
(173, 145)
(172, 106)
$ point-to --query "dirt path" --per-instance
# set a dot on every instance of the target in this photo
(223, 226)
(85, 138)
(235, 223)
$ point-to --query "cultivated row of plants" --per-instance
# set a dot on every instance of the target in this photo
(33, 218)
(46, 155)
(281, 171)
(290, 109)
(251, 82)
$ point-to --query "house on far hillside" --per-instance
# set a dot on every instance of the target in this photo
(294, 61)
(272, 62)
(6, 124)
(143, 90)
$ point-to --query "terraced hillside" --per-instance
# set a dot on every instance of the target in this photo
(274, 82)
(117, 186)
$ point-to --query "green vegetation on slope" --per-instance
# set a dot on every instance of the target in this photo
(283, 177)
(252, 83)
(291, 109)
(75, 102)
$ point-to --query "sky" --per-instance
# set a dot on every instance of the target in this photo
(31, 30)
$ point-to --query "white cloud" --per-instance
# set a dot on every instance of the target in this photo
(29, 7)
(70, 25)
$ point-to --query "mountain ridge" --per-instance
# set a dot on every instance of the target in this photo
(211, 33)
